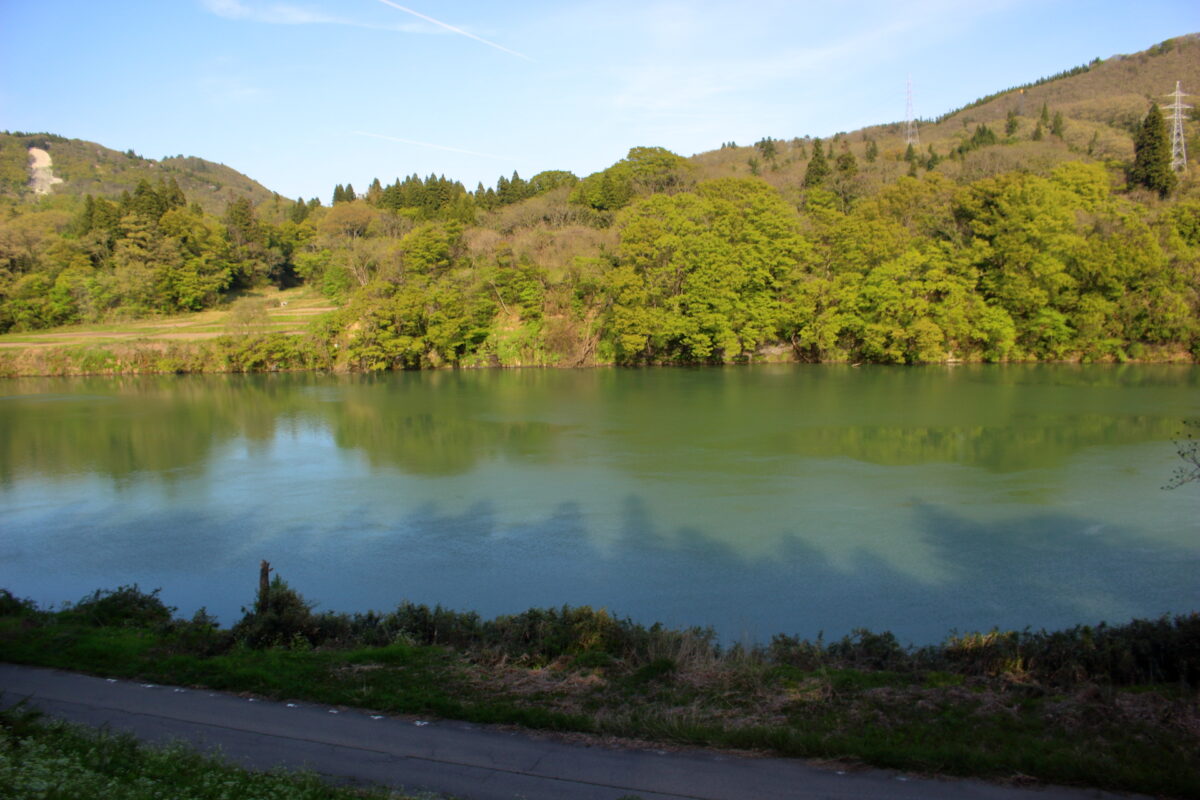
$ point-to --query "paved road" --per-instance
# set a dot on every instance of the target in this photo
(467, 761)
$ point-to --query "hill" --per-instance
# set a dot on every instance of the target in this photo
(1101, 104)
(1010, 233)
(90, 168)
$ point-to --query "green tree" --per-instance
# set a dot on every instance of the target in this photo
(700, 272)
(1011, 123)
(1152, 155)
(818, 168)
(1056, 126)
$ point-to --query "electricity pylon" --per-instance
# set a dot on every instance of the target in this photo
(911, 136)
(1178, 145)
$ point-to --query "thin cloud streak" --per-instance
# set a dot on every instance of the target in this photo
(453, 29)
(431, 146)
(285, 14)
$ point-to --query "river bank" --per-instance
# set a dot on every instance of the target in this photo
(279, 352)
(1108, 707)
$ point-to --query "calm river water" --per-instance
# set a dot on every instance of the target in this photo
(792, 499)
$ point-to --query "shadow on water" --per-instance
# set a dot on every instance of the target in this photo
(705, 429)
(1048, 570)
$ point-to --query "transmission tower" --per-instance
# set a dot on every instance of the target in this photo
(911, 136)
(1178, 146)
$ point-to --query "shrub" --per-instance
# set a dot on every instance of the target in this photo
(126, 606)
(285, 620)
(12, 606)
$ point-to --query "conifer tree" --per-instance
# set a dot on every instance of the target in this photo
(818, 168)
(1011, 123)
(1045, 116)
(1152, 155)
(933, 159)
(1056, 127)
(1038, 133)
(299, 211)
(375, 192)
(872, 151)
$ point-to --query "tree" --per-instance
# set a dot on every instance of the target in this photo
(1056, 127)
(1189, 450)
(1011, 123)
(1152, 155)
(767, 147)
(818, 168)
(846, 164)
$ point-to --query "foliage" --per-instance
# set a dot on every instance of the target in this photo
(1106, 706)
(1002, 249)
(818, 167)
(43, 759)
(1152, 155)
(1188, 450)
(645, 170)
(124, 606)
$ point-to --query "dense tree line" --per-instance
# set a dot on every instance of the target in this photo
(661, 267)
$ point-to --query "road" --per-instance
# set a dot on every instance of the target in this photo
(460, 759)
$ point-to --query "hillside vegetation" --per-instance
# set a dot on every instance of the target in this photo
(1020, 228)
(89, 168)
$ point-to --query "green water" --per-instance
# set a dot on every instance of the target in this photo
(759, 500)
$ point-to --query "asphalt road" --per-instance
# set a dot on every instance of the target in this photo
(459, 759)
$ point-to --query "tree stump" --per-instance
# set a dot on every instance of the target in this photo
(264, 587)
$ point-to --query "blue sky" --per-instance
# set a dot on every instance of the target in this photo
(303, 94)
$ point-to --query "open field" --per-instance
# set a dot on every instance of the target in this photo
(282, 311)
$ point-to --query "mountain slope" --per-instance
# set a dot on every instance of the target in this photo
(1101, 105)
(90, 168)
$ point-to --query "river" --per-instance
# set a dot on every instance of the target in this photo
(793, 499)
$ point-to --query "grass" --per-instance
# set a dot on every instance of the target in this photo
(54, 760)
(286, 311)
(1112, 708)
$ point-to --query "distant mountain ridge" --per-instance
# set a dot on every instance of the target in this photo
(1101, 103)
(90, 168)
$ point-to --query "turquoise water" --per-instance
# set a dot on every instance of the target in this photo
(794, 499)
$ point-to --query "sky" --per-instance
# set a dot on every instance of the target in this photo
(304, 94)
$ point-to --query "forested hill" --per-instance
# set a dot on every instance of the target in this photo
(1041, 222)
(89, 168)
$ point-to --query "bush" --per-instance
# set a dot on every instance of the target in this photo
(12, 606)
(126, 606)
(284, 619)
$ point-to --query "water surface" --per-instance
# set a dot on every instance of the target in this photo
(792, 499)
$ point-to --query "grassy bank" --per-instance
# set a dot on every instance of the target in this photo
(40, 759)
(1109, 707)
